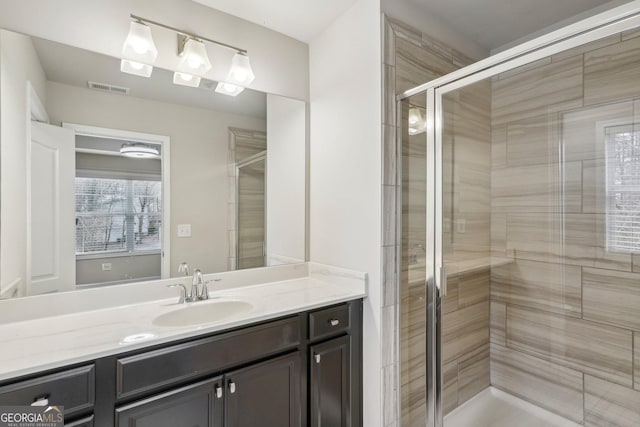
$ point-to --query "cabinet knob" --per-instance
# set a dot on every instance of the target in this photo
(232, 387)
(334, 322)
(41, 401)
(317, 357)
(219, 392)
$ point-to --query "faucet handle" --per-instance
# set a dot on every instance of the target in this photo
(205, 288)
(183, 293)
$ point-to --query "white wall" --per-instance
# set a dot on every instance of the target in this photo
(280, 63)
(18, 64)
(199, 150)
(418, 17)
(345, 175)
(286, 136)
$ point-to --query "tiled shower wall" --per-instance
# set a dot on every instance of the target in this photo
(412, 58)
(466, 147)
(565, 314)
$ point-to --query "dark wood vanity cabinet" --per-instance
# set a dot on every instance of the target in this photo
(83, 422)
(267, 394)
(303, 370)
(335, 367)
(330, 383)
(264, 394)
(196, 405)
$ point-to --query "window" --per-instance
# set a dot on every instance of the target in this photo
(117, 215)
(623, 189)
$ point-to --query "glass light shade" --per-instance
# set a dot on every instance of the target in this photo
(417, 121)
(240, 72)
(186, 79)
(139, 151)
(415, 116)
(229, 89)
(139, 45)
(194, 59)
(135, 68)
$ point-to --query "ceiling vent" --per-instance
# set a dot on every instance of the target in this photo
(104, 87)
(207, 84)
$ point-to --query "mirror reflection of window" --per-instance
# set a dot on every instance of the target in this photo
(118, 212)
(117, 215)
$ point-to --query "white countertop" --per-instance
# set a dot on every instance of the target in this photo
(30, 346)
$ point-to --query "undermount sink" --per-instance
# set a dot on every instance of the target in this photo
(202, 312)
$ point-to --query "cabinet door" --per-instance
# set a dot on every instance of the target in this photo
(197, 405)
(85, 422)
(265, 395)
(330, 383)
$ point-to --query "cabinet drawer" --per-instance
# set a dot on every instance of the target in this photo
(329, 321)
(166, 366)
(85, 422)
(74, 389)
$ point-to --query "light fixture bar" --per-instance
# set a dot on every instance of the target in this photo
(187, 34)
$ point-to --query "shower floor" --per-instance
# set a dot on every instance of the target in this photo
(495, 408)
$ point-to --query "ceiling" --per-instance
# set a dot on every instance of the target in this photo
(491, 23)
(73, 66)
(300, 19)
(495, 23)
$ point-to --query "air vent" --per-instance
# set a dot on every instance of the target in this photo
(207, 84)
(104, 87)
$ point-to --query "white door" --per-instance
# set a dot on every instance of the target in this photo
(52, 209)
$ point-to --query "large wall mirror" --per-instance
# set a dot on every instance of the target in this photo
(109, 178)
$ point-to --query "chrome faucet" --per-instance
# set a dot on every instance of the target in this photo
(183, 268)
(198, 288)
(184, 297)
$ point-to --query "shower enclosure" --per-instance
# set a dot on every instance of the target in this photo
(251, 211)
(520, 255)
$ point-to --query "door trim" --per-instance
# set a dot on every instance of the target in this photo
(165, 163)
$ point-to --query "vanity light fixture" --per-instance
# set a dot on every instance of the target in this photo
(417, 121)
(139, 151)
(139, 52)
(228, 89)
(193, 56)
(241, 72)
(135, 68)
(193, 59)
(186, 79)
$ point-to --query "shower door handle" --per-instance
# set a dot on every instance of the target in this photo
(443, 281)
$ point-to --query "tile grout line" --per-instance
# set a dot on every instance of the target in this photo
(584, 406)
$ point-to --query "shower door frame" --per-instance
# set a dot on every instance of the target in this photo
(602, 25)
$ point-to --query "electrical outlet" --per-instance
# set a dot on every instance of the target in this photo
(106, 266)
(184, 230)
(461, 226)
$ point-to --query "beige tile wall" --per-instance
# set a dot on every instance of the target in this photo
(565, 315)
(412, 58)
(560, 322)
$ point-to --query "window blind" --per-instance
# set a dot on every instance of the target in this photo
(623, 189)
(117, 215)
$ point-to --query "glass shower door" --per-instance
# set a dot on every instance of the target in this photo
(413, 264)
(540, 246)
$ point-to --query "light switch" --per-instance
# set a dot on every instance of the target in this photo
(106, 266)
(461, 225)
(184, 230)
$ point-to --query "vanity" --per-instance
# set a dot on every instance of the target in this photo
(148, 173)
(293, 359)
